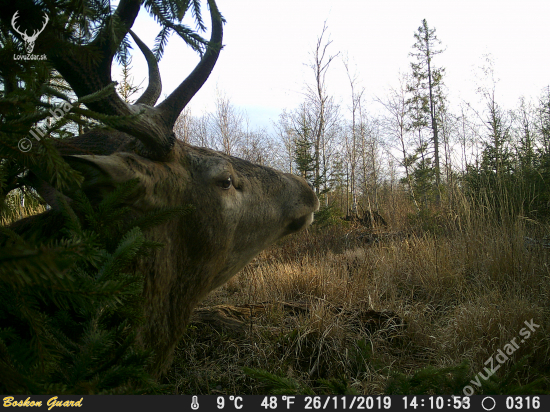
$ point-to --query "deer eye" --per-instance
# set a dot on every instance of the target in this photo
(226, 183)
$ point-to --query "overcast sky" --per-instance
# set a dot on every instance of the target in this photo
(268, 42)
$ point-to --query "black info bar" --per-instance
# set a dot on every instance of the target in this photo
(257, 403)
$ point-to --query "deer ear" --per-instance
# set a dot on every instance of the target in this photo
(101, 173)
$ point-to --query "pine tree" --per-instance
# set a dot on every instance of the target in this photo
(422, 174)
(303, 154)
(542, 171)
(70, 302)
(544, 121)
(126, 88)
(426, 88)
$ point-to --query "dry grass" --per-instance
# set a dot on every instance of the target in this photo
(464, 293)
(464, 281)
(16, 211)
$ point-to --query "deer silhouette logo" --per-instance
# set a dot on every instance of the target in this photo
(29, 40)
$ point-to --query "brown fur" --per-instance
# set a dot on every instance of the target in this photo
(205, 249)
(228, 226)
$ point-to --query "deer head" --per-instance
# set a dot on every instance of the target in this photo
(29, 40)
(239, 208)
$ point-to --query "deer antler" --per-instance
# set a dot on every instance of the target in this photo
(87, 74)
(176, 102)
(154, 88)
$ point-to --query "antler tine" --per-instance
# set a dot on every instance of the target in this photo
(154, 88)
(154, 128)
(173, 105)
(89, 70)
(110, 38)
(88, 75)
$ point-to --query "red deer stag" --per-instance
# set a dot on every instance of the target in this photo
(240, 208)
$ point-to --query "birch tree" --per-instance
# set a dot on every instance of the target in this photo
(395, 124)
(319, 99)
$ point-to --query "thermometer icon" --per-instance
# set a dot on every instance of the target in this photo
(195, 403)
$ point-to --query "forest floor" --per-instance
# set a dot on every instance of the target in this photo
(455, 305)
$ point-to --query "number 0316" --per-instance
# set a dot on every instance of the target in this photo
(522, 402)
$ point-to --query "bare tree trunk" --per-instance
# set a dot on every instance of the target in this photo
(319, 96)
(226, 125)
(355, 105)
(434, 129)
(396, 126)
(183, 126)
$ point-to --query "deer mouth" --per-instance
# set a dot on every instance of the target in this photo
(309, 205)
(300, 223)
